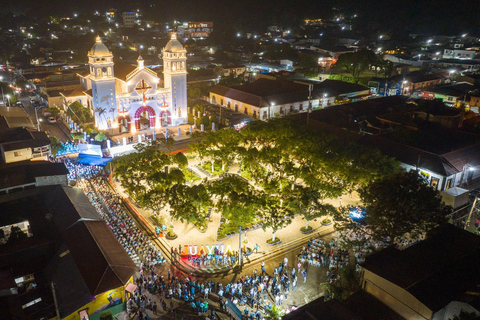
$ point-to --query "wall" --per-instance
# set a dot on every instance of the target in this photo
(51, 180)
(17, 155)
(430, 174)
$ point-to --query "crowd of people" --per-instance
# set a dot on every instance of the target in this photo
(252, 294)
(68, 147)
(108, 205)
(78, 171)
(218, 258)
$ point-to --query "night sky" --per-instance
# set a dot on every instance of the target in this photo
(448, 17)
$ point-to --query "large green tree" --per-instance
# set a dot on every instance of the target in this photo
(397, 206)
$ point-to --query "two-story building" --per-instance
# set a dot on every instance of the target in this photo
(20, 144)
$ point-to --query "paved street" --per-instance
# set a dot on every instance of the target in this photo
(58, 129)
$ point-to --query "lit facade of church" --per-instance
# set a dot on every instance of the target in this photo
(130, 98)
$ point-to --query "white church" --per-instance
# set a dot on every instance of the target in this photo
(129, 98)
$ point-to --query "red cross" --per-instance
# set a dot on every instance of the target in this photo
(123, 112)
(143, 89)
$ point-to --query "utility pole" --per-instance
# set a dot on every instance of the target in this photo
(310, 86)
(55, 301)
(240, 247)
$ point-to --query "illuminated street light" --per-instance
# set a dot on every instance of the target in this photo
(238, 35)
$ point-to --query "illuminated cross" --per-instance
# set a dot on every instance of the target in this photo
(142, 88)
(123, 112)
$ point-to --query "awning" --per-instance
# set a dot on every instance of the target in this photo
(131, 287)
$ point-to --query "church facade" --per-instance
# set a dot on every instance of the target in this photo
(130, 98)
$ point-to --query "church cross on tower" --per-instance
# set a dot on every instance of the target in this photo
(142, 88)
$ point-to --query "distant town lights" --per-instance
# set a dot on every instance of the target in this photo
(75, 15)
(429, 41)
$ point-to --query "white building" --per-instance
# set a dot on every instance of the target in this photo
(458, 54)
(130, 97)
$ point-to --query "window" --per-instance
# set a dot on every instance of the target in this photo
(246, 111)
(291, 108)
(281, 110)
(264, 114)
(17, 153)
(301, 107)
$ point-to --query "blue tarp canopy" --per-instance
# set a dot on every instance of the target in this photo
(93, 160)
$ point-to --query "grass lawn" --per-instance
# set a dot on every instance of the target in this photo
(229, 227)
(217, 167)
(190, 176)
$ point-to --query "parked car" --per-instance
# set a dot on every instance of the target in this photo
(51, 120)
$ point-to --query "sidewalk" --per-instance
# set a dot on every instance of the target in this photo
(188, 234)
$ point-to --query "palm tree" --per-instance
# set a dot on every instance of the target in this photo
(101, 111)
(275, 313)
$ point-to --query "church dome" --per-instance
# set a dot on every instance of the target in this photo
(174, 45)
(99, 49)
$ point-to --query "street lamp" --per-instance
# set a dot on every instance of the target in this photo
(36, 116)
(270, 105)
(403, 86)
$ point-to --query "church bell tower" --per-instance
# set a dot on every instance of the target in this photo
(100, 61)
(175, 77)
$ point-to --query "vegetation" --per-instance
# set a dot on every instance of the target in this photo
(55, 145)
(388, 218)
(347, 284)
(274, 313)
(100, 137)
(79, 113)
(290, 172)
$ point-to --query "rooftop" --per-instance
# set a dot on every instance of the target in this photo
(25, 172)
(68, 235)
(18, 138)
(436, 270)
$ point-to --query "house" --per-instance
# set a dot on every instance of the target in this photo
(451, 95)
(20, 144)
(409, 133)
(266, 98)
(458, 54)
(228, 71)
(431, 279)
(413, 82)
(19, 176)
(404, 84)
(11, 118)
(65, 262)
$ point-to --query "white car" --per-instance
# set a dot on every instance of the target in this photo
(51, 120)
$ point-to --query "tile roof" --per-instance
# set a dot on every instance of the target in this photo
(123, 69)
(436, 270)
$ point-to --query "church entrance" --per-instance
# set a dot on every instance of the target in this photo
(144, 118)
(165, 118)
(124, 123)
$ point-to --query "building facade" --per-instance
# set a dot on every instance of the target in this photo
(130, 98)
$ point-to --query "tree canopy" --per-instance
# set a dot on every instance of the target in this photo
(397, 206)
(284, 170)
